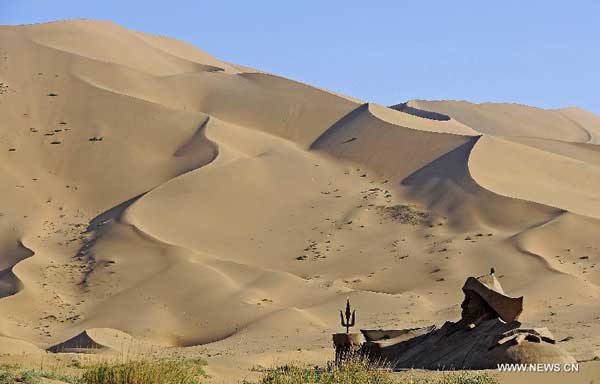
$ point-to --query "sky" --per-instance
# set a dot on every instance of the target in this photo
(541, 53)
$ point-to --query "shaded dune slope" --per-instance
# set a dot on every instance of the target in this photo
(404, 107)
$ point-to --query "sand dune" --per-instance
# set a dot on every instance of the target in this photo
(155, 195)
(105, 42)
(504, 119)
(570, 181)
(404, 143)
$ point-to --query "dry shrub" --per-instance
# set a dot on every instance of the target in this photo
(170, 371)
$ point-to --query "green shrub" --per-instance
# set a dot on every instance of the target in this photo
(34, 376)
(362, 372)
(170, 371)
(447, 377)
(357, 371)
(7, 377)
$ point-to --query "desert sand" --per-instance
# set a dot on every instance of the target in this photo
(154, 197)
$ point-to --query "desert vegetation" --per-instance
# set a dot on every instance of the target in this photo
(145, 371)
(405, 214)
(361, 371)
(191, 371)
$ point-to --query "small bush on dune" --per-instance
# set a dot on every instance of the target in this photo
(172, 371)
(361, 371)
(34, 376)
(458, 377)
(357, 371)
(7, 377)
(164, 371)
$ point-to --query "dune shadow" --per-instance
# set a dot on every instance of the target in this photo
(404, 107)
(333, 130)
(9, 282)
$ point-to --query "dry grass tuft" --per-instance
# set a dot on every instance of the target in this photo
(171, 371)
(356, 371)
(447, 377)
(361, 371)
(164, 371)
